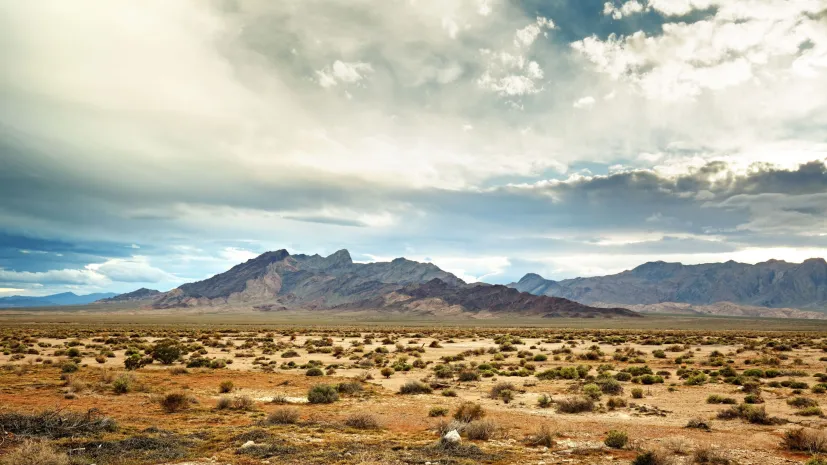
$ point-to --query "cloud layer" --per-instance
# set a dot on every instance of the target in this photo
(490, 137)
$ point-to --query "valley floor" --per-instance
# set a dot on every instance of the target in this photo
(251, 406)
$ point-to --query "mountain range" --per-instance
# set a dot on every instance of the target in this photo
(773, 284)
(278, 281)
(65, 298)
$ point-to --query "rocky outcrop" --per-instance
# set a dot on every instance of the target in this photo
(772, 284)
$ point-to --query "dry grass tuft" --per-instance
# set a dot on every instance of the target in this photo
(34, 453)
(542, 437)
(481, 430)
(283, 416)
(362, 421)
(56, 424)
(805, 440)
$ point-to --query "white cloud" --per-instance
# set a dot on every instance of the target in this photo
(526, 36)
(136, 269)
(8, 290)
(680, 7)
(125, 270)
(585, 102)
(513, 74)
(346, 72)
(513, 85)
(484, 7)
(628, 8)
(236, 255)
(758, 42)
(451, 27)
(468, 269)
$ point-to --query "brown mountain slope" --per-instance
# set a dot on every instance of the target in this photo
(278, 280)
(772, 284)
(437, 297)
(722, 309)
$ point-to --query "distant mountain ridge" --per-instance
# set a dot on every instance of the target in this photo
(277, 280)
(54, 300)
(134, 296)
(771, 284)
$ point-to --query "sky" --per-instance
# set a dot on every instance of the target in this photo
(148, 144)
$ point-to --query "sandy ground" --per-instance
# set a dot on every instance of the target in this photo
(27, 384)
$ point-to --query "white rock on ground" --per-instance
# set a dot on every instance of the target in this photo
(452, 437)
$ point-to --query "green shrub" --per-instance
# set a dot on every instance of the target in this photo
(801, 402)
(315, 371)
(637, 393)
(322, 394)
(415, 387)
(753, 399)
(718, 399)
(592, 391)
(615, 402)
(438, 412)
(575, 404)
(122, 384)
(166, 351)
(696, 380)
(749, 413)
(810, 412)
(174, 402)
(69, 367)
(349, 388)
(609, 385)
(651, 458)
(468, 375)
(225, 387)
(616, 439)
(468, 412)
(135, 361)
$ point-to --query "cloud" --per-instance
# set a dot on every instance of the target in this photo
(737, 45)
(584, 102)
(342, 72)
(681, 7)
(134, 270)
(526, 36)
(628, 8)
(434, 128)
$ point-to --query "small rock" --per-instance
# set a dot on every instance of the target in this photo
(452, 437)
(248, 444)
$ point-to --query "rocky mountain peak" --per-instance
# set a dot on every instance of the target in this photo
(340, 258)
(531, 277)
